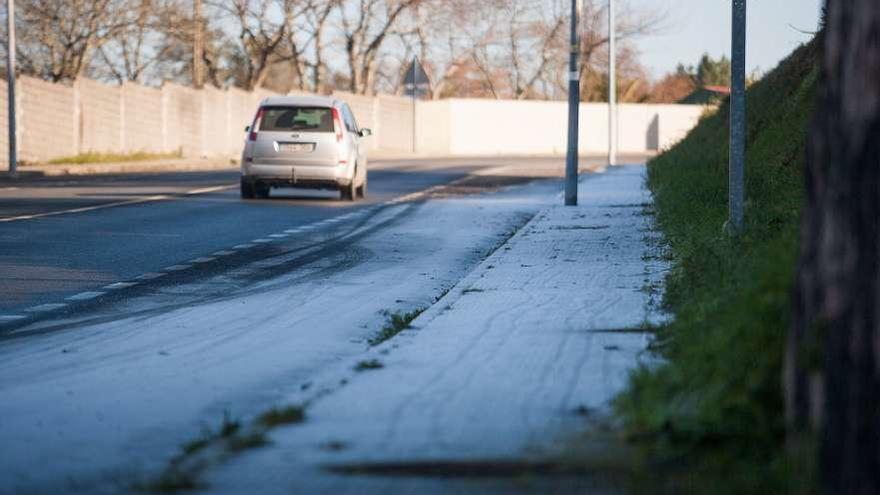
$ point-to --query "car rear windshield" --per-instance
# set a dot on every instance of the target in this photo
(310, 119)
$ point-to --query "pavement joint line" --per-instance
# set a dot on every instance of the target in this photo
(85, 296)
(120, 285)
(205, 259)
(243, 246)
(9, 318)
(42, 308)
(223, 253)
(176, 268)
(150, 276)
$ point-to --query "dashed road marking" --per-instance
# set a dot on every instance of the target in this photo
(176, 268)
(223, 253)
(243, 246)
(208, 190)
(150, 276)
(261, 241)
(278, 236)
(120, 285)
(85, 296)
(42, 308)
(10, 318)
(206, 259)
(293, 231)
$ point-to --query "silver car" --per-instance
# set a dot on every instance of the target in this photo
(304, 141)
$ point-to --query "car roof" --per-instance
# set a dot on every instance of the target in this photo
(305, 101)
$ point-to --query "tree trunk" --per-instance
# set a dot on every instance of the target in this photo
(832, 372)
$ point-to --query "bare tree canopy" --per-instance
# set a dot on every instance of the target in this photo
(484, 48)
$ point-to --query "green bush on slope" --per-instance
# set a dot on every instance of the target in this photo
(719, 388)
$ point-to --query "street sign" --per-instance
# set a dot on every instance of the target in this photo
(415, 80)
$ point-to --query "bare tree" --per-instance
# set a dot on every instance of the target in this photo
(138, 45)
(262, 29)
(365, 26)
(833, 352)
(58, 37)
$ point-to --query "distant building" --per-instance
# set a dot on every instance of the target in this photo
(707, 95)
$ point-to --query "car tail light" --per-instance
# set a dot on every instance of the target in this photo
(257, 119)
(337, 125)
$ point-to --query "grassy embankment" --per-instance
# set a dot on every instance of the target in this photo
(714, 410)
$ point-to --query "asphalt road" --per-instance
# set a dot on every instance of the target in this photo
(66, 240)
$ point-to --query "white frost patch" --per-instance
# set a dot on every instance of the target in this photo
(104, 404)
(547, 325)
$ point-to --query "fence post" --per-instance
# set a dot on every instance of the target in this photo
(736, 168)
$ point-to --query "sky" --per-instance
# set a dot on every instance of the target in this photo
(697, 26)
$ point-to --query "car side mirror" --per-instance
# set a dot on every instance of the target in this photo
(365, 133)
(247, 128)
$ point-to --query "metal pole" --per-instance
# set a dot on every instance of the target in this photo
(10, 84)
(737, 118)
(414, 90)
(574, 88)
(612, 84)
(198, 75)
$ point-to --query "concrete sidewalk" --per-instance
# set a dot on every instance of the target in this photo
(501, 369)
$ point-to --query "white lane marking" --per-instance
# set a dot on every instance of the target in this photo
(278, 236)
(307, 227)
(86, 208)
(209, 190)
(148, 199)
(9, 318)
(223, 253)
(206, 259)
(120, 285)
(46, 307)
(261, 241)
(176, 268)
(292, 231)
(243, 246)
(85, 296)
(150, 276)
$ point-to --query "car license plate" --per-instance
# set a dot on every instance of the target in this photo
(296, 147)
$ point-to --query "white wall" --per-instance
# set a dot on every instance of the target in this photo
(493, 127)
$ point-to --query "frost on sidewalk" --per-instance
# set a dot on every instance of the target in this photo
(548, 325)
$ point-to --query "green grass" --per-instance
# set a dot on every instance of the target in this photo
(96, 157)
(283, 416)
(396, 323)
(716, 403)
(369, 364)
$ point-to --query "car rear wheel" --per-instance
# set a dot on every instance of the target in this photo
(247, 189)
(362, 190)
(348, 193)
(261, 190)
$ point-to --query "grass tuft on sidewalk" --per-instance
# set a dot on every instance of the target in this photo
(714, 408)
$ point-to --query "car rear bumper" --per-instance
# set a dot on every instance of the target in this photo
(319, 176)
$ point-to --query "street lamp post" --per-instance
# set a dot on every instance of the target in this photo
(574, 88)
(10, 84)
(736, 172)
(612, 84)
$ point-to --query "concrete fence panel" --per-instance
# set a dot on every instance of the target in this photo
(99, 107)
(142, 129)
(396, 121)
(47, 127)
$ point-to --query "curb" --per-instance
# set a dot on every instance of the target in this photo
(181, 165)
